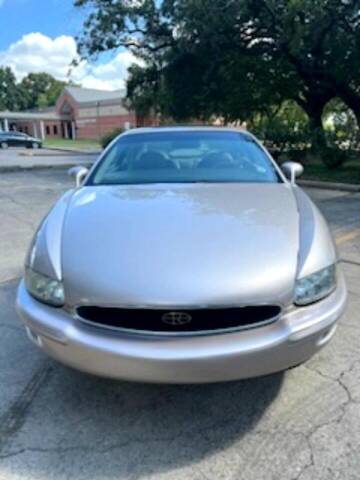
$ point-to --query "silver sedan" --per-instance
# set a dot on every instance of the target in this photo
(184, 255)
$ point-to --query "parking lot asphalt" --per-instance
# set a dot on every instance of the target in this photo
(13, 159)
(56, 423)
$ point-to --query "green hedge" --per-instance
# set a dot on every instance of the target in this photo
(109, 137)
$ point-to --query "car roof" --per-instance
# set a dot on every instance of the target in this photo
(11, 132)
(186, 128)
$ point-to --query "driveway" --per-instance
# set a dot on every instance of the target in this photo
(59, 424)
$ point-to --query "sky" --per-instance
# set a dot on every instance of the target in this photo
(38, 36)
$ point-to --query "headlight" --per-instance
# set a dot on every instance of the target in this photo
(316, 286)
(44, 289)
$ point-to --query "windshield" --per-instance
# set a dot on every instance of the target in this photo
(184, 157)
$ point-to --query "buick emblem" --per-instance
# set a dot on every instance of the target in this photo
(176, 319)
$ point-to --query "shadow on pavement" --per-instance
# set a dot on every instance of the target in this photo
(143, 429)
(79, 423)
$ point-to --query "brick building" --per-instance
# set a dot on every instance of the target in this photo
(79, 113)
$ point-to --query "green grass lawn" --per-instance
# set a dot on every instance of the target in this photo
(77, 144)
(348, 173)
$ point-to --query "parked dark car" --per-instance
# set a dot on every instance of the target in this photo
(18, 139)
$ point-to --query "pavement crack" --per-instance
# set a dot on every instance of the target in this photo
(344, 386)
(103, 449)
(343, 408)
(12, 420)
(311, 461)
(350, 262)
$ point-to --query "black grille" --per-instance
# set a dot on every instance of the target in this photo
(180, 321)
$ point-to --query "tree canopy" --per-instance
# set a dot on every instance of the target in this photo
(232, 57)
(40, 90)
(33, 91)
(10, 95)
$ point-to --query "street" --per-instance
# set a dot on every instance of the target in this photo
(56, 423)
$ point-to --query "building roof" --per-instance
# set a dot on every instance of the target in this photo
(51, 115)
(52, 108)
(91, 95)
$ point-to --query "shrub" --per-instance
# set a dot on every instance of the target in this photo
(109, 137)
(288, 135)
(341, 128)
(333, 157)
(284, 130)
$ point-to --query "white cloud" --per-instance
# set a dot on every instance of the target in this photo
(36, 52)
(108, 76)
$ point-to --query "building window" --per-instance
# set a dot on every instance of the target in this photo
(55, 129)
(47, 130)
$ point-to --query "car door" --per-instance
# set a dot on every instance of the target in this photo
(11, 139)
(19, 139)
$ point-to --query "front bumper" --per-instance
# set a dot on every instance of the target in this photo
(294, 338)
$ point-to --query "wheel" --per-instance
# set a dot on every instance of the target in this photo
(35, 145)
(4, 145)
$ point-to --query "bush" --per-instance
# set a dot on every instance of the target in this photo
(288, 135)
(109, 137)
(284, 130)
(333, 157)
(341, 128)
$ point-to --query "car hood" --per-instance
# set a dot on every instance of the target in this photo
(181, 245)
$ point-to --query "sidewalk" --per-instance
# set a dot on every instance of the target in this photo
(75, 151)
(17, 160)
(342, 187)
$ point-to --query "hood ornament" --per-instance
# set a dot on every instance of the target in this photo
(176, 319)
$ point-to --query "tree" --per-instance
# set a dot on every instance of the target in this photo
(320, 40)
(35, 90)
(10, 95)
(184, 77)
(40, 90)
(302, 50)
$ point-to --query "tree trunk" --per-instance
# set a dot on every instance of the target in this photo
(314, 111)
(314, 107)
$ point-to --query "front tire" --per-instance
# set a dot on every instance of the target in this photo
(35, 145)
(4, 145)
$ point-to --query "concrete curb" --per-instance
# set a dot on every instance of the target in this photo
(53, 154)
(72, 151)
(23, 168)
(343, 187)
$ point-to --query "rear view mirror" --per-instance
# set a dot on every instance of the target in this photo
(79, 173)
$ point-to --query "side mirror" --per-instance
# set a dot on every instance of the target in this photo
(79, 173)
(292, 170)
